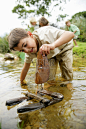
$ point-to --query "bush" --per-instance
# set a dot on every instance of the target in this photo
(81, 50)
(4, 47)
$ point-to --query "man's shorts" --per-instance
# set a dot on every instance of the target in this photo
(75, 37)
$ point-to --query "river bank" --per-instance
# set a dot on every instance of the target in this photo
(80, 51)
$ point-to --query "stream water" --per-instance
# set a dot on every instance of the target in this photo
(70, 113)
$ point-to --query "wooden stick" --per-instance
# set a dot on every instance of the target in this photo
(36, 106)
(52, 94)
(41, 99)
(29, 96)
(31, 107)
(16, 101)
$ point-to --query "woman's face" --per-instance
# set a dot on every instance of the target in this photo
(27, 45)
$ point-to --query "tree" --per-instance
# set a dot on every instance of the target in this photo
(80, 14)
(29, 8)
(79, 19)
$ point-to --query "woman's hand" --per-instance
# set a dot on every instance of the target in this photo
(45, 48)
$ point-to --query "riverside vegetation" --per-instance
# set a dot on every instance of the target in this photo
(79, 51)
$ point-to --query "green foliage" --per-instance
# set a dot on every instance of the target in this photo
(21, 11)
(22, 55)
(79, 14)
(4, 47)
(81, 50)
(79, 19)
(0, 125)
(31, 29)
(29, 8)
(20, 126)
(61, 17)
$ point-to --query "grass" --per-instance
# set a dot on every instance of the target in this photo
(0, 125)
(20, 126)
(80, 51)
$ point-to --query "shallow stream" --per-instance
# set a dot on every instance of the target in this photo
(70, 113)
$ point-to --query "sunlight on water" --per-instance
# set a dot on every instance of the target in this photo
(70, 113)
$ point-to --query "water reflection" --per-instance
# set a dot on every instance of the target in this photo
(67, 114)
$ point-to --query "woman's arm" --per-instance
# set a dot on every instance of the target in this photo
(24, 71)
